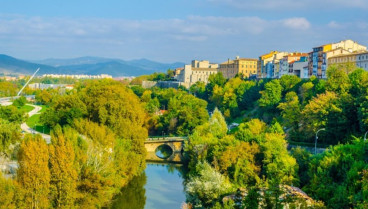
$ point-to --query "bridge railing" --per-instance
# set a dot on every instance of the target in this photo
(169, 138)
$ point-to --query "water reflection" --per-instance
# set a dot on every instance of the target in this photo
(133, 195)
(160, 187)
(164, 151)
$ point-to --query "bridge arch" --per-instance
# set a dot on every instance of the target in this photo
(175, 143)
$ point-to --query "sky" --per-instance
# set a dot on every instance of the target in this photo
(175, 30)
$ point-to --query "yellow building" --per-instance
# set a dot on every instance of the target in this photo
(244, 66)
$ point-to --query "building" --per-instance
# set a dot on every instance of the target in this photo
(269, 64)
(357, 59)
(262, 61)
(196, 71)
(287, 63)
(300, 67)
(245, 66)
(343, 59)
(50, 86)
(318, 58)
(102, 76)
(362, 60)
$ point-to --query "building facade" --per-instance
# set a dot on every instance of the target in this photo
(245, 66)
(357, 59)
(269, 65)
(196, 71)
(362, 60)
(318, 58)
(287, 63)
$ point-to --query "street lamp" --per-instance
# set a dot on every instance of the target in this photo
(315, 144)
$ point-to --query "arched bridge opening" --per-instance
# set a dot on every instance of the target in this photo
(167, 144)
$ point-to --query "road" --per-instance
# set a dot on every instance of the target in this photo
(27, 129)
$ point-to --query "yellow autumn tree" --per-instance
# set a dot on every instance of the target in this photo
(63, 172)
(33, 173)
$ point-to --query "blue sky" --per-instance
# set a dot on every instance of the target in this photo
(175, 30)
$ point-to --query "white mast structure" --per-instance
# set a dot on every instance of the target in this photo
(28, 82)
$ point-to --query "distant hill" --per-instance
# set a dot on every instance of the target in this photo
(85, 65)
(16, 66)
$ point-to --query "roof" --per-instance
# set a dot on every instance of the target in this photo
(350, 54)
(248, 59)
(227, 62)
(204, 69)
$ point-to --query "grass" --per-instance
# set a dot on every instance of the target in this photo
(34, 122)
(26, 108)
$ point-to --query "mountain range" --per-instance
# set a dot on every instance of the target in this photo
(84, 65)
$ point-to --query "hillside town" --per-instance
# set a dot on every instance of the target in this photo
(276, 63)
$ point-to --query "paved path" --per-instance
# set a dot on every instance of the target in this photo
(27, 129)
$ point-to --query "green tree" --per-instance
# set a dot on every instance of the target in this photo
(20, 102)
(271, 96)
(288, 82)
(291, 110)
(338, 80)
(208, 186)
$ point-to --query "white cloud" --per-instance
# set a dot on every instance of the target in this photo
(298, 23)
(183, 39)
(292, 4)
(334, 24)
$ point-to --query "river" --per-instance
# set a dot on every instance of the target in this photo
(159, 187)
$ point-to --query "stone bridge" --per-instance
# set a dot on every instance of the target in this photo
(175, 143)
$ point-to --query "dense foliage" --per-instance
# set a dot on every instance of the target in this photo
(96, 148)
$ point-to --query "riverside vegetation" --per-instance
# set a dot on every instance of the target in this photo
(99, 127)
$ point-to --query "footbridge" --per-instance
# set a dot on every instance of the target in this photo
(175, 143)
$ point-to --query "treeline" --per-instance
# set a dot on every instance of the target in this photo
(302, 107)
(253, 159)
(96, 149)
(171, 111)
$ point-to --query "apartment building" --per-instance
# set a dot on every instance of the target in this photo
(287, 62)
(318, 58)
(362, 60)
(269, 64)
(196, 71)
(358, 59)
(245, 66)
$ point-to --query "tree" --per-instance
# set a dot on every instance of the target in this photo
(199, 90)
(251, 131)
(337, 175)
(12, 114)
(20, 102)
(64, 110)
(338, 80)
(317, 110)
(208, 186)
(239, 163)
(64, 176)
(278, 165)
(8, 190)
(288, 82)
(43, 97)
(290, 110)
(33, 173)
(271, 96)
(306, 92)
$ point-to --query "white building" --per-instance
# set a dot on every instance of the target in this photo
(362, 60)
(196, 71)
